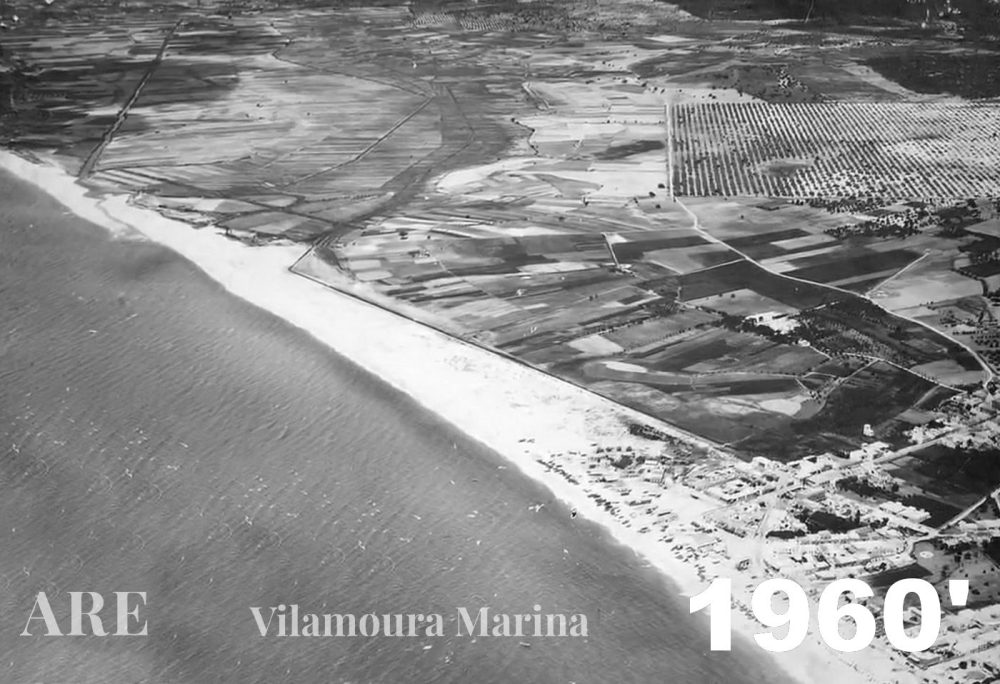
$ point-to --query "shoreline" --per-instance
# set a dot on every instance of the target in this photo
(533, 418)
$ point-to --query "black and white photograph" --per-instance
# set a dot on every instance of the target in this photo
(499, 341)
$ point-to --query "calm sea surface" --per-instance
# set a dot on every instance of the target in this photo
(160, 435)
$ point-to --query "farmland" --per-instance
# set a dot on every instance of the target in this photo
(741, 232)
(734, 352)
(315, 137)
(885, 150)
(959, 476)
(752, 329)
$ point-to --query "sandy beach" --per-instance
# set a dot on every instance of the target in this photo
(545, 427)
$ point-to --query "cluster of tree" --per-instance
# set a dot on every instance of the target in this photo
(818, 521)
(974, 15)
(649, 432)
(878, 229)
(786, 534)
(841, 9)
(746, 324)
(853, 483)
(986, 256)
(991, 547)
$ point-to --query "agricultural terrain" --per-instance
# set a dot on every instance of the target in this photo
(765, 233)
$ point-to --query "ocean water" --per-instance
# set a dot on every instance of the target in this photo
(160, 435)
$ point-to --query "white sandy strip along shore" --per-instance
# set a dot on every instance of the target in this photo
(520, 413)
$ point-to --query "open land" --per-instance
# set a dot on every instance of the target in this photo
(747, 271)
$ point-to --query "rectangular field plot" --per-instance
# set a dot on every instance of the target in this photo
(891, 150)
